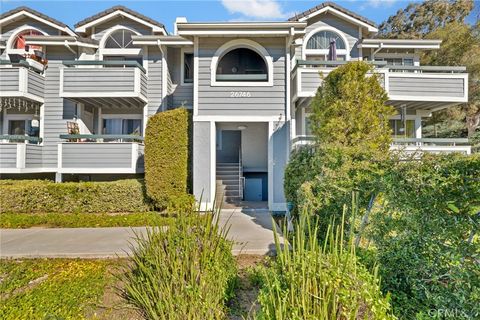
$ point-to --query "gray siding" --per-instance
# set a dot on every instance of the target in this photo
(310, 81)
(438, 87)
(179, 94)
(102, 29)
(268, 101)
(9, 78)
(329, 20)
(201, 161)
(97, 155)
(102, 80)
(57, 110)
(36, 84)
(8, 155)
(154, 81)
(33, 156)
(280, 146)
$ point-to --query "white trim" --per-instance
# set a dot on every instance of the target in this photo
(213, 161)
(42, 123)
(195, 77)
(155, 28)
(100, 121)
(137, 81)
(234, 33)
(27, 170)
(59, 155)
(121, 52)
(116, 51)
(164, 53)
(288, 73)
(134, 156)
(123, 116)
(235, 44)
(107, 94)
(9, 45)
(183, 51)
(270, 164)
(28, 14)
(252, 118)
(61, 43)
(99, 170)
(306, 51)
(21, 155)
(370, 28)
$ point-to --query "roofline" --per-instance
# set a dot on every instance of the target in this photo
(60, 41)
(339, 11)
(161, 40)
(129, 13)
(241, 28)
(232, 25)
(9, 15)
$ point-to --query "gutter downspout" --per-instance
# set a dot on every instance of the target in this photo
(70, 48)
(380, 47)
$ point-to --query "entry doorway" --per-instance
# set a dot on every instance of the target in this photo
(228, 146)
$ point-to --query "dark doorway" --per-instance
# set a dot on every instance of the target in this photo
(229, 146)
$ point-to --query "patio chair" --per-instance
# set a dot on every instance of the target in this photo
(73, 128)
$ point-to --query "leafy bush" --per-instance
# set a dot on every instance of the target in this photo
(425, 230)
(167, 152)
(42, 196)
(322, 282)
(184, 272)
(301, 167)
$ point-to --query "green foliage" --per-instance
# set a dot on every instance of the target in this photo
(184, 272)
(53, 288)
(167, 152)
(83, 220)
(421, 18)
(315, 281)
(349, 111)
(425, 229)
(302, 166)
(41, 196)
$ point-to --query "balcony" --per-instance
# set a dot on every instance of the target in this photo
(411, 146)
(20, 154)
(417, 87)
(110, 83)
(102, 154)
(20, 84)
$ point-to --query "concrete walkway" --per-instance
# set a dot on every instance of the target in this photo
(250, 229)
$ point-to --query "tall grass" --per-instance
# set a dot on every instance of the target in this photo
(321, 281)
(184, 272)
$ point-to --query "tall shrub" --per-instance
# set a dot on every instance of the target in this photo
(167, 152)
(426, 233)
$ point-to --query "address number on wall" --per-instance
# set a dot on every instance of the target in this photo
(240, 94)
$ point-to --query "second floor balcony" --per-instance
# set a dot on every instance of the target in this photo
(419, 84)
(20, 84)
(111, 83)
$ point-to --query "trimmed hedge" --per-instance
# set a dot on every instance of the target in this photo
(167, 152)
(42, 196)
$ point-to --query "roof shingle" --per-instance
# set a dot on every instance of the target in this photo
(34, 12)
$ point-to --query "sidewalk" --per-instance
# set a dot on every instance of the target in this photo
(251, 229)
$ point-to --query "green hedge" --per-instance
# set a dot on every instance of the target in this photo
(41, 196)
(167, 155)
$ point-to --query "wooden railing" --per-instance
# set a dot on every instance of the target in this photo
(102, 138)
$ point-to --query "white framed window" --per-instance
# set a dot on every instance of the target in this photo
(186, 66)
(317, 43)
(21, 125)
(118, 42)
(242, 63)
(16, 44)
(402, 129)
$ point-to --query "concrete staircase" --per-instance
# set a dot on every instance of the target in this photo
(228, 177)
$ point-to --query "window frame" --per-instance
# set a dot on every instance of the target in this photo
(319, 52)
(237, 44)
(11, 40)
(118, 51)
(184, 51)
(123, 116)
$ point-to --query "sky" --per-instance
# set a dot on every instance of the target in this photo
(165, 11)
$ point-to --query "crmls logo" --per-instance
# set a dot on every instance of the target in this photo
(450, 313)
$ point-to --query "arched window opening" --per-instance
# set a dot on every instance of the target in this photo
(321, 40)
(242, 64)
(120, 39)
(19, 41)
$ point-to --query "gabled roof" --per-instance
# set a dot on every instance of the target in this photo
(325, 6)
(12, 14)
(113, 11)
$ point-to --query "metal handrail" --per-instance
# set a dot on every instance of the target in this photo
(438, 141)
(111, 63)
(101, 137)
(240, 173)
(17, 137)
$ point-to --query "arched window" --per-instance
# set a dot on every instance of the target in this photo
(321, 40)
(242, 64)
(120, 39)
(19, 41)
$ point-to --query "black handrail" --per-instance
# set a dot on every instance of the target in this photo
(111, 63)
